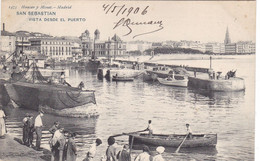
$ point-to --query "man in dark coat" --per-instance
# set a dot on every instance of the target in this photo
(71, 151)
(30, 127)
(25, 129)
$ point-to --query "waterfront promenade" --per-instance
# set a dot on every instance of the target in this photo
(12, 150)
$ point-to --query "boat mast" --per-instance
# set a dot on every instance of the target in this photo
(33, 68)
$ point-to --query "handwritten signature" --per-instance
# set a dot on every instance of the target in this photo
(126, 22)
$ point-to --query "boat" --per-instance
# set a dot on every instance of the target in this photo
(163, 72)
(32, 91)
(122, 78)
(174, 140)
(221, 84)
(176, 80)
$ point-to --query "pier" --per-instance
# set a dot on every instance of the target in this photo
(188, 68)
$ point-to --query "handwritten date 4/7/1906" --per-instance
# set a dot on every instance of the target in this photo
(123, 10)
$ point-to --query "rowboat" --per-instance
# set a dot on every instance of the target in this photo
(178, 81)
(174, 140)
(123, 78)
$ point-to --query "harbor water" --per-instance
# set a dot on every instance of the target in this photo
(127, 106)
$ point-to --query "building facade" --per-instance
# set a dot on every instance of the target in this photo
(56, 48)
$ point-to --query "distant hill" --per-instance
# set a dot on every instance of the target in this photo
(171, 50)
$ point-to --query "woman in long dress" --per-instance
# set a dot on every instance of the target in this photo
(2, 123)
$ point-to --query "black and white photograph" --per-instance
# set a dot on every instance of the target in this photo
(127, 80)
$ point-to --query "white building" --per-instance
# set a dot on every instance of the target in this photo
(7, 41)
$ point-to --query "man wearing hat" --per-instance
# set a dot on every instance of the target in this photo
(38, 129)
(158, 156)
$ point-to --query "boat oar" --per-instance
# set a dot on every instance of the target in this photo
(177, 150)
(127, 133)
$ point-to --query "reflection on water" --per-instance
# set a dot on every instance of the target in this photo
(126, 107)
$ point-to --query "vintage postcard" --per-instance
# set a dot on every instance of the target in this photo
(127, 80)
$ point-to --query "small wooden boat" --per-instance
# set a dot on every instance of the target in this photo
(122, 78)
(174, 140)
(178, 81)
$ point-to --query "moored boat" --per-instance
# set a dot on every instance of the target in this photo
(34, 95)
(33, 91)
(174, 140)
(122, 78)
(177, 81)
(225, 85)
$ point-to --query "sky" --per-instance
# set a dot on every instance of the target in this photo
(204, 21)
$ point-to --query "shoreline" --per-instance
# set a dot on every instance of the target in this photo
(12, 149)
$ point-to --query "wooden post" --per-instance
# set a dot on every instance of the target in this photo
(131, 146)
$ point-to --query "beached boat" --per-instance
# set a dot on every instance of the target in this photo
(174, 140)
(177, 80)
(221, 84)
(122, 78)
(33, 91)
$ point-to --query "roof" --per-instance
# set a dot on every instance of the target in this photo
(116, 38)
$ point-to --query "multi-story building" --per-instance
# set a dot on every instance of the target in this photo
(230, 48)
(55, 47)
(23, 39)
(7, 41)
(215, 47)
(110, 48)
(245, 47)
(102, 48)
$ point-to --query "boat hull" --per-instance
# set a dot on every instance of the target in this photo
(173, 141)
(176, 83)
(32, 96)
(123, 79)
(232, 84)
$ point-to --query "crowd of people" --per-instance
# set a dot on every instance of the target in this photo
(63, 146)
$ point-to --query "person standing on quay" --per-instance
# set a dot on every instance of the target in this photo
(92, 150)
(59, 142)
(2, 123)
(124, 155)
(38, 129)
(145, 155)
(71, 151)
(54, 127)
(111, 149)
(25, 129)
(30, 130)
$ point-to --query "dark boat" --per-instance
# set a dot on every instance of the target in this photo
(32, 91)
(174, 140)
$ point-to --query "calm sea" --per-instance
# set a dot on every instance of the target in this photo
(126, 107)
